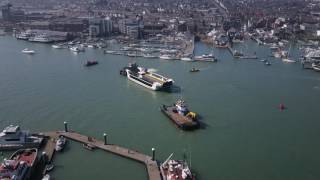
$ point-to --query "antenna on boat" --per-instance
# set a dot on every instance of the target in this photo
(165, 162)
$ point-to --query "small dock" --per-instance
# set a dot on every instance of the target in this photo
(150, 163)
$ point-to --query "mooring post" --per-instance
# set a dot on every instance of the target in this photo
(153, 154)
(105, 138)
(65, 126)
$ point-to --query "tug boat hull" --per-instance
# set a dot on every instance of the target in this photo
(183, 122)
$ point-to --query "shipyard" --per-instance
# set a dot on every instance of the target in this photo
(159, 90)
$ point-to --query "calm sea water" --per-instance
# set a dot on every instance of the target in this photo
(246, 136)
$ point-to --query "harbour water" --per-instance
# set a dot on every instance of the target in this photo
(246, 135)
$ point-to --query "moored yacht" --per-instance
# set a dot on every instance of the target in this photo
(24, 36)
(186, 59)
(41, 38)
(206, 57)
(12, 137)
(176, 170)
(19, 166)
(167, 57)
(146, 78)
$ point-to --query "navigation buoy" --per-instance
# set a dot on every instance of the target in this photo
(281, 106)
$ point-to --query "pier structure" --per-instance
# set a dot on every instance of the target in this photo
(150, 162)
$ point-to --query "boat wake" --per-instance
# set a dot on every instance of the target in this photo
(203, 69)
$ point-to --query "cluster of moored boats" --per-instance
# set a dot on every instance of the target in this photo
(21, 164)
(189, 58)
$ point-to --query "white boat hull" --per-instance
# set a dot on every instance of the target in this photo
(153, 87)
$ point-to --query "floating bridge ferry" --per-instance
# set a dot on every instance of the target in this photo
(146, 78)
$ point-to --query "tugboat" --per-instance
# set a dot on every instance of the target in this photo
(91, 63)
(60, 143)
(176, 170)
(146, 78)
(181, 116)
(19, 166)
(194, 70)
(12, 138)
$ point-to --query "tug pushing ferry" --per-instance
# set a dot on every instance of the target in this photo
(146, 78)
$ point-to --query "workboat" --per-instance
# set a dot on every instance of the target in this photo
(28, 51)
(91, 63)
(181, 116)
(316, 66)
(194, 70)
(146, 77)
(176, 170)
(61, 142)
(12, 137)
(19, 166)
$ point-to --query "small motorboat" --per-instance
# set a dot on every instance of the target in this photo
(89, 146)
(49, 167)
(46, 177)
(28, 51)
(267, 63)
(263, 60)
(61, 142)
(194, 70)
(288, 60)
(91, 63)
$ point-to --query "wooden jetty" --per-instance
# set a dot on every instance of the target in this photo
(151, 164)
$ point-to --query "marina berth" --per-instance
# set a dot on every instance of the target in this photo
(12, 138)
(146, 78)
(181, 116)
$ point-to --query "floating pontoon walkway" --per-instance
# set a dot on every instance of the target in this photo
(151, 164)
